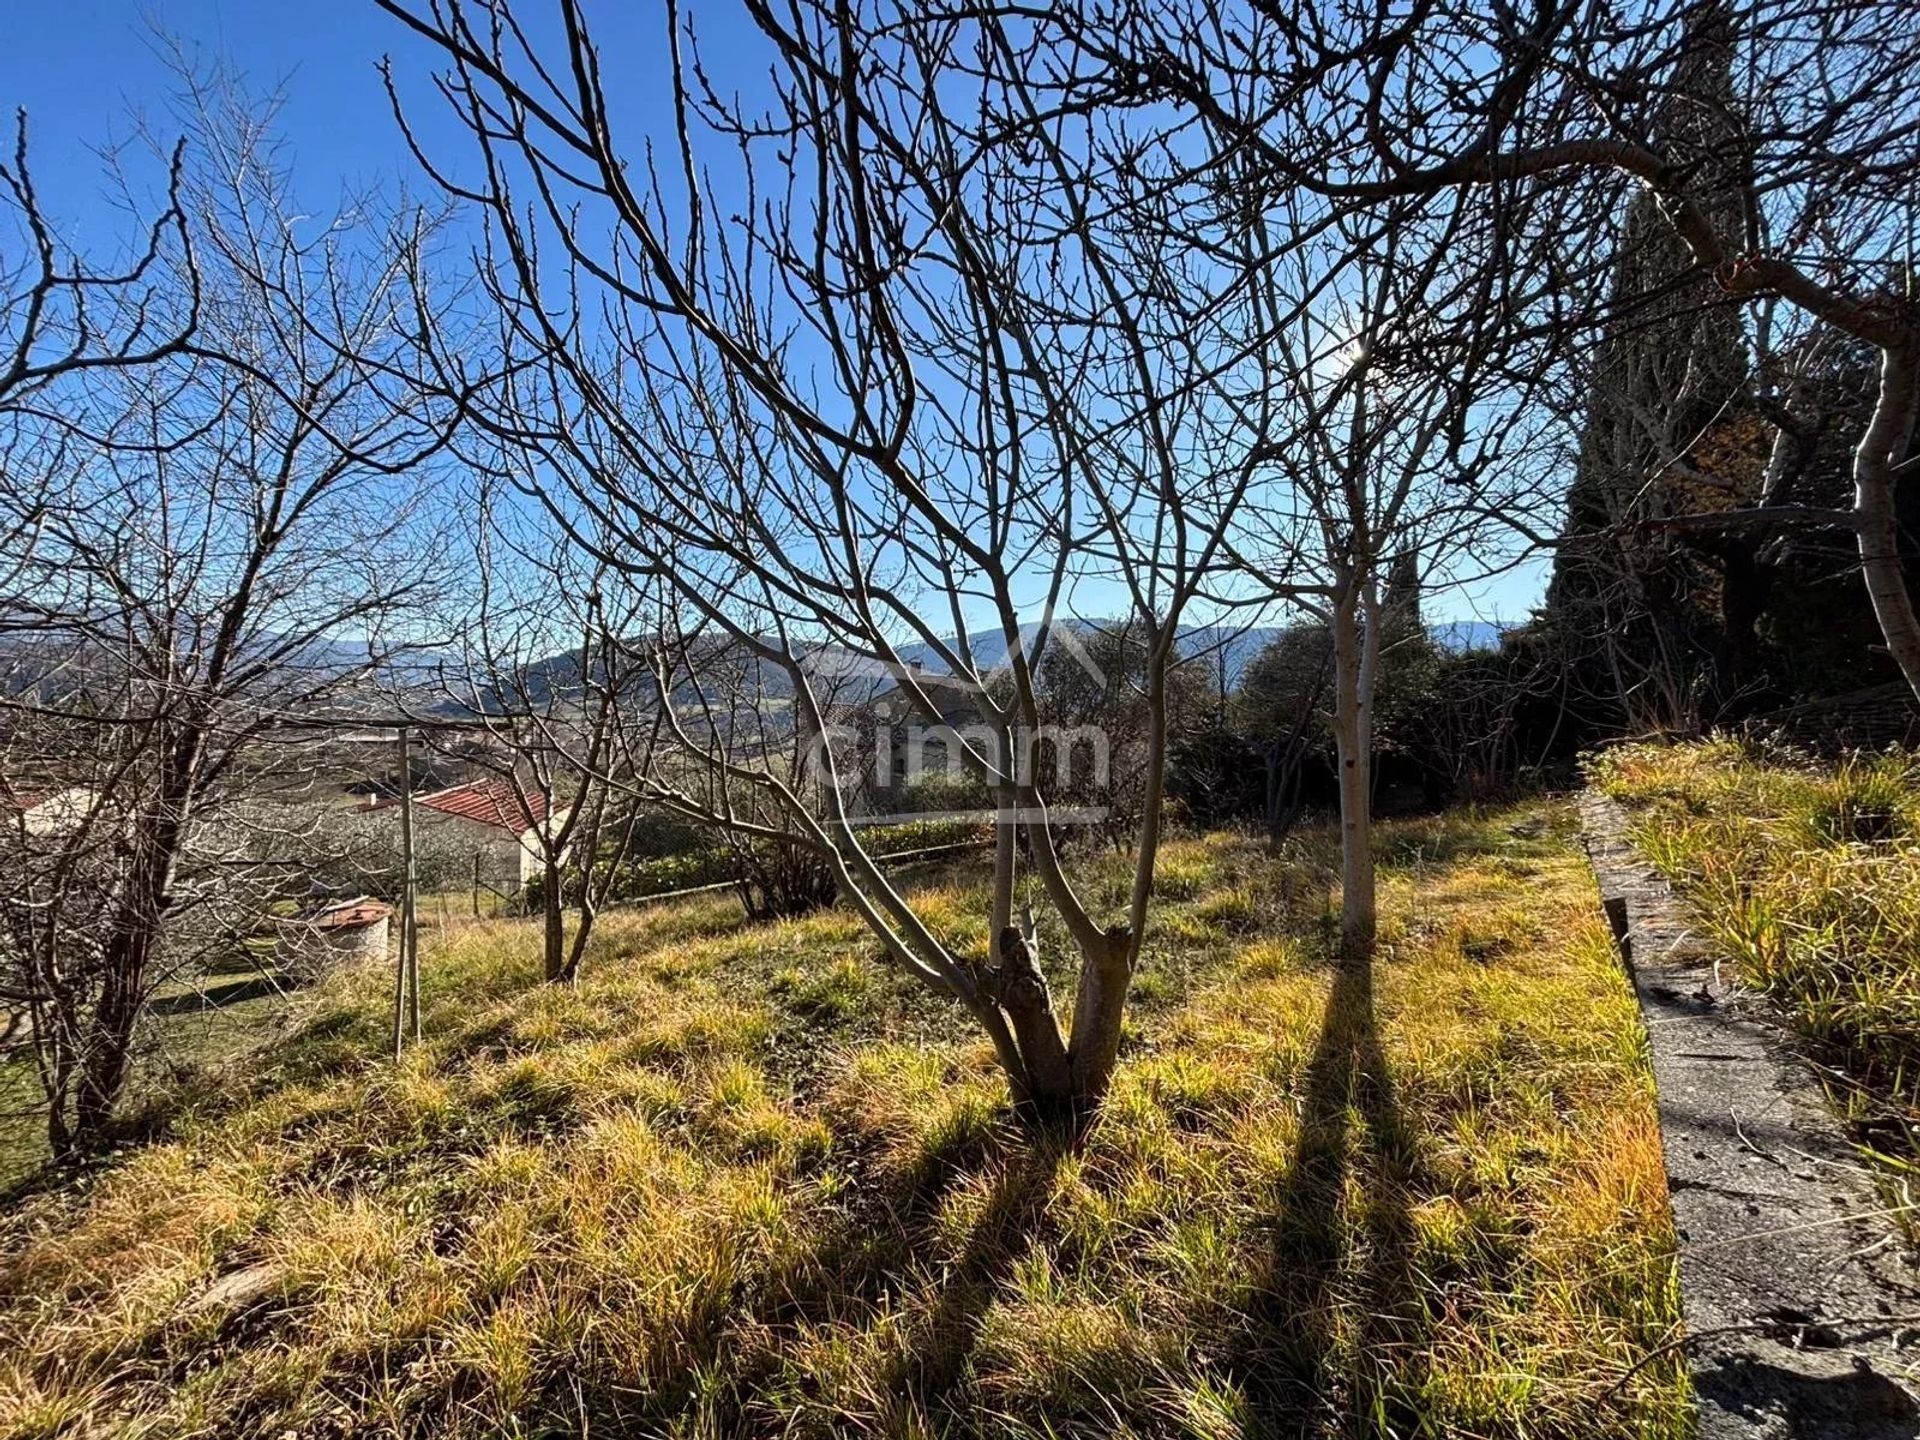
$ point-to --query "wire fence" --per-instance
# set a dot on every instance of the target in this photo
(900, 857)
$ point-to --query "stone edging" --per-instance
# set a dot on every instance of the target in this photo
(1801, 1309)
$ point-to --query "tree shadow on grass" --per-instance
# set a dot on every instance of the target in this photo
(218, 997)
(1331, 1316)
(935, 1362)
(857, 1268)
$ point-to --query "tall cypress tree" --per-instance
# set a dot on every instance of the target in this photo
(1662, 436)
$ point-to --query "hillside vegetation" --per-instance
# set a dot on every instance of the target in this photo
(742, 1181)
(1808, 876)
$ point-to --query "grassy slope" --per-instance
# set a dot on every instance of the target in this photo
(743, 1181)
(1809, 877)
(197, 1024)
(201, 1025)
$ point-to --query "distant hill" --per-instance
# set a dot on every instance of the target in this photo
(1233, 646)
(433, 679)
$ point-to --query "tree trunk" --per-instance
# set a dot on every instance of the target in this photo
(1880, 453)
(1355, 645)
(1743, 601)
(1284, 759)
(582, 930)
(1105, 978)
(555, 946)
(125, 961)
(129, 952)
(61, 1142)
(1021, 990)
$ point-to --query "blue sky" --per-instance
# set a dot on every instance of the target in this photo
(83, 68)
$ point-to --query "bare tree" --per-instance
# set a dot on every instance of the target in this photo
(61, 316)
(220, 537)
(714, 697)
(1792, 184)
(1401, 458)
(544, 669)
(1096, 690)
(896, 370)
(1279, 705)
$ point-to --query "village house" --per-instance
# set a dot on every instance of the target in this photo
(51, 810)
(488, 818)
(910, 747)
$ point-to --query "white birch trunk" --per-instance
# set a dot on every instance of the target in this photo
(1876, 514)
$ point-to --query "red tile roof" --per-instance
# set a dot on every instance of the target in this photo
(489, 801)
(344, 915)
(23, 797)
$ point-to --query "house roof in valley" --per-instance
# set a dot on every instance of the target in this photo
(490, 801)
(52, 803)
(957, 702)
(24, 799)
(355, 914)
(23, 789)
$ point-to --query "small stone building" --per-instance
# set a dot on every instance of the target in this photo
(910, 747)
(340, 933)
(495, 830)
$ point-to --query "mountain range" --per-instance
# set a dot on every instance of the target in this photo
(1234, 646)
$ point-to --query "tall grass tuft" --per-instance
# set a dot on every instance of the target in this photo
(1808, 876)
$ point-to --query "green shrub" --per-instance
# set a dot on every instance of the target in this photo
(928, 834)
(943, 793)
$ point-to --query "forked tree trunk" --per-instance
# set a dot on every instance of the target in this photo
(125, 962)
(1057, 1087)
(582, 929)
(1099, 1011)
(1021, 990)
(128, 956)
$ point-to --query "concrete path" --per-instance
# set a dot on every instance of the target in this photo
(1803, 1313)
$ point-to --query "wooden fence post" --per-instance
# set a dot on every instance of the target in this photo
(406, 980)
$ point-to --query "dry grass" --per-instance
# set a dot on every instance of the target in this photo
(743, 1181)
(1808, 875)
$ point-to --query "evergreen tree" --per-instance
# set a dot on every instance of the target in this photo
(1668, 389)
